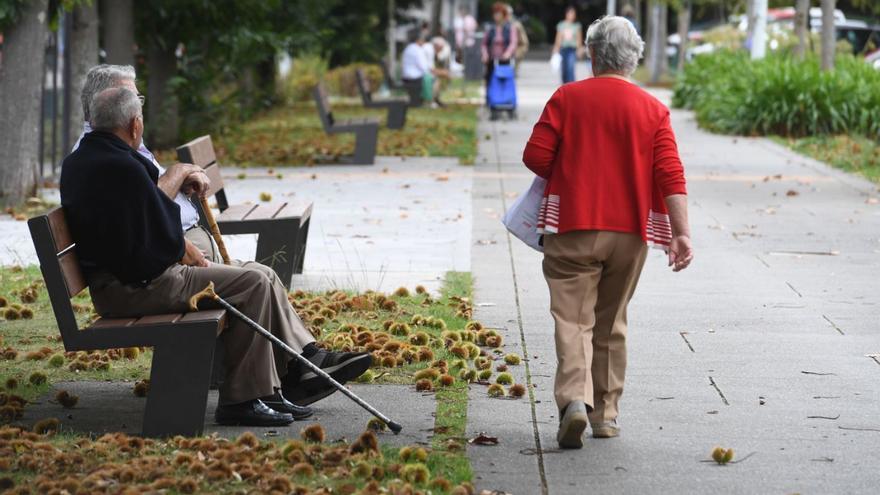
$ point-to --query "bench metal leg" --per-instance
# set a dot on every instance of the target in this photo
(397, 116)
(301, 243)
(179, 381)
(366, 139)
(277, 248)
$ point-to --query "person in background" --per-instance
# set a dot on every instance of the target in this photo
(629, 13)
(522, 42)
(442, 60)
(415, 68)
(500, 42)
(569, 43)
(615, 184)
(465, 27)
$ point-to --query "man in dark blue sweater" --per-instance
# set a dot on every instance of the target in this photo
(131, 246)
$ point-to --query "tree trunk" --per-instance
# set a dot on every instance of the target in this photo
(436, 12)
(83, 56)
(392, 43)
(684, 25)
(20, 74)
(801, 26)
(758, 28)
(657, 62)
(637, 6)
(117, 29)
(611, 7)
(162, 123)
(829, 39)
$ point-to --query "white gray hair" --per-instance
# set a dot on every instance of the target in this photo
(113, 109)
(615, 44)
(101, 77)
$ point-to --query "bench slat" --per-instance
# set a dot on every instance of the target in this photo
(158, 319)
(60, 233)
(236, 213)
(199, 151)
(265, 211)
(295, 209)
(113, 322)
(73, 276)
(213, 173)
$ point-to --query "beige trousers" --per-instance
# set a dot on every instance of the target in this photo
(592, 276)
(253, 367)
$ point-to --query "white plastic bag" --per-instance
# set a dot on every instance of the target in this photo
(556, 62)
(521, 218)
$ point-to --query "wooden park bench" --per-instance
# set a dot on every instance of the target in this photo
(282, 228)
(413, 89)
(183, 343)
(366, 131)
(396, 106)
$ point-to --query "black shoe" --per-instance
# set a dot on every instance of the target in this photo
(278, 403)
(250, 413)
(342, 366)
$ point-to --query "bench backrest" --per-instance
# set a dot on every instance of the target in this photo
(200, 152)
(323, 104)
(60, 267)
(363, 85)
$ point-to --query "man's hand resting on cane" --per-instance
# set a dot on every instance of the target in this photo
(193, 256)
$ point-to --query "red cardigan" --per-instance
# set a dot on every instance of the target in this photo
(607, 149)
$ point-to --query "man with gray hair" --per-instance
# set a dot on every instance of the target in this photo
(131, 247)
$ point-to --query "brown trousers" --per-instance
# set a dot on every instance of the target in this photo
(253, 367)
(592, 276)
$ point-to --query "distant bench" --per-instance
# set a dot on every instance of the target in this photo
(183, 343)
(396, 106)
(282, 228)
(366, 131)
(413, 88)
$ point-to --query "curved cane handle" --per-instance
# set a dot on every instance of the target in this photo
(206, 292)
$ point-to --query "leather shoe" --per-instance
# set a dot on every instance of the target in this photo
(278, 403)
(305, 387)
(250, 413)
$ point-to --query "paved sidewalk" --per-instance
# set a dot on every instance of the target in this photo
(764, 345)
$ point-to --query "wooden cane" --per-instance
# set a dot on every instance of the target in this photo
(215, 230)
(208, 292)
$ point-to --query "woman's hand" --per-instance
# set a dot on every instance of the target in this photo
(193, 256)
(680, 253)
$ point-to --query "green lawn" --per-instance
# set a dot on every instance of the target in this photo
(211, 464)
(856, 154)
(292, 135)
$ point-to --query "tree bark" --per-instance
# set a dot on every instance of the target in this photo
(637, 6)
(657, 61)
(83, 56)
(117, 30)
(829, 39)
(801, 27)
(163, 124)
(684, 25)
(20, 74)
(436, 12)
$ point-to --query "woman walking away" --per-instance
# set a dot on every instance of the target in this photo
(500, 42)
(569, 43)
(615, 183)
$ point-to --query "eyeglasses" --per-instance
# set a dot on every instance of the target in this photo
(141, 98)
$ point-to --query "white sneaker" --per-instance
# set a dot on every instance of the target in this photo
(572, 426)
(608, 429)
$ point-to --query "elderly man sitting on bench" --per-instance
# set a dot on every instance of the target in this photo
(131, 246)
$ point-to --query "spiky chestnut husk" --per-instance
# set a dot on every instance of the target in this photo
(447, 380)
(459, 351)
(389, 305)
(37, 378)
(416, 473)
(401, 292)
(451, 335)
(440, 484)
(425, 354)
(47, 426)
(496, 390)
(366, 377)
(142, 387)
(458, 364)
(504, 378)
(3, 302)
(468, 375)
(66, 399)
(400, 329)
(303, 469)
(313, 433)
(407, 355)
(417, 320)
(512, 359)
(424, 385)
(27, 314)
(188, 485)
(473, 325)
(11, 383)
(392, 346)
(420, 289)
(518, 390)
(376, 424)
(11, 314)
(367, 443)
(10, 354)
(501, 368)
(389, 362)
(485, 375)
(131, 353)
(494, 341)
(483, 363)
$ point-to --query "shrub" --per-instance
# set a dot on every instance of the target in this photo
(304, 74)
(341, 80)
(780, 95)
